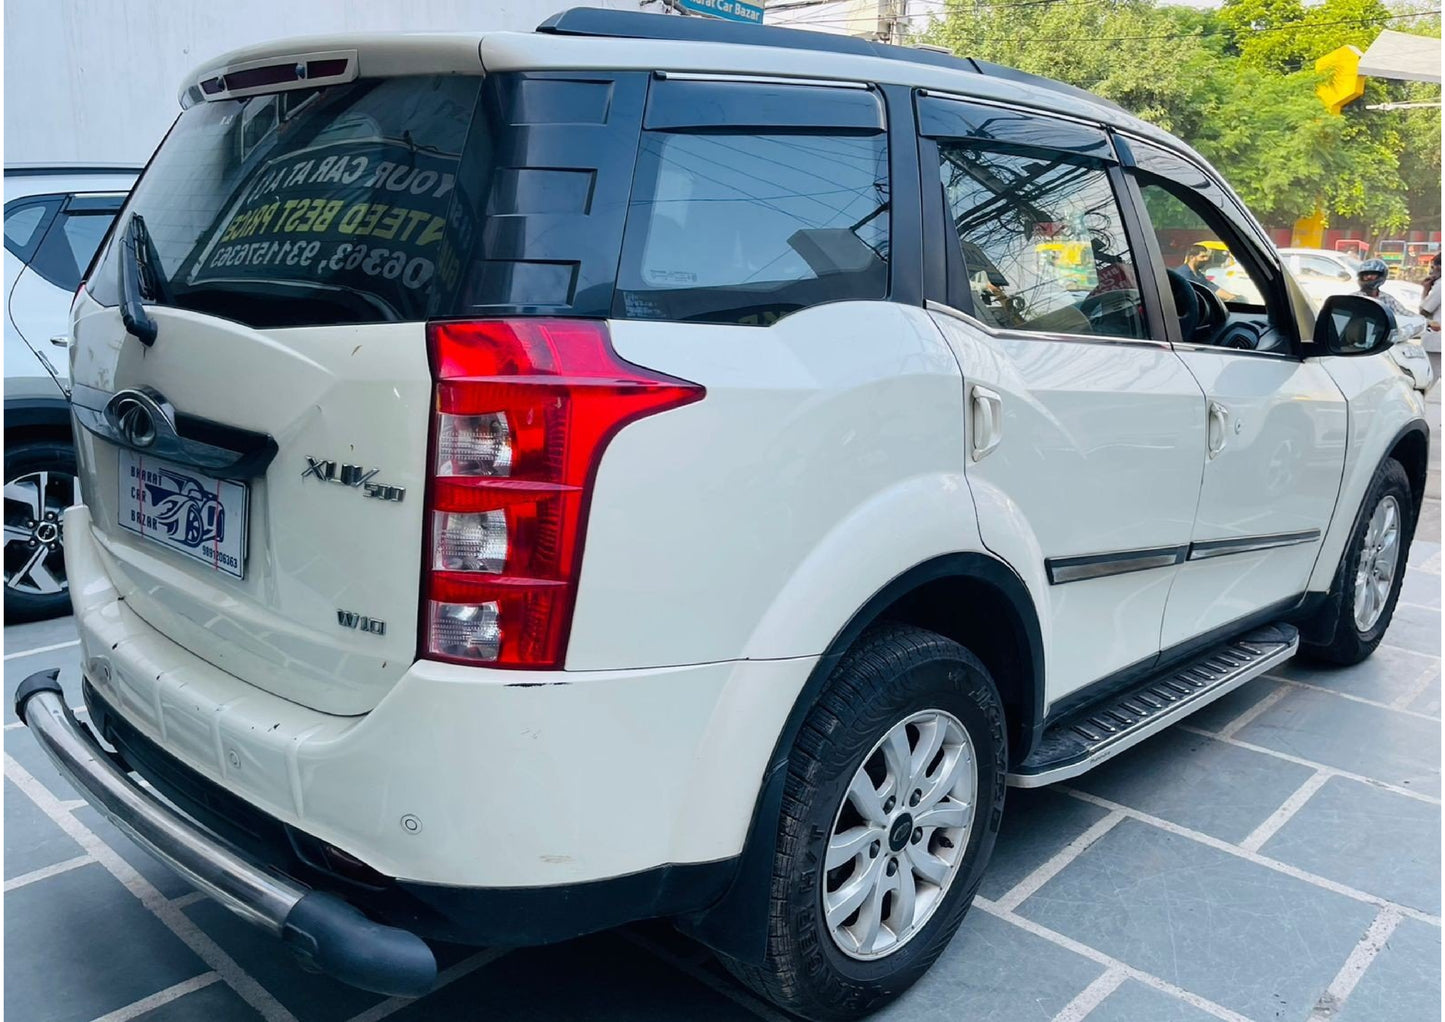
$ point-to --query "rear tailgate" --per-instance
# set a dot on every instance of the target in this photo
(293, 245)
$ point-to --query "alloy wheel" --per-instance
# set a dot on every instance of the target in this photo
(900, 835)
(34, 534)
(1378, 563)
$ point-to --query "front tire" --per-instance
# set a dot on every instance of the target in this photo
(1371, 572)
(39, 486)
(891, 805)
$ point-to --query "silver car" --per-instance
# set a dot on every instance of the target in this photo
(55, 218)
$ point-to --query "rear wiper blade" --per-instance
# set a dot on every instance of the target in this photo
(138, 280)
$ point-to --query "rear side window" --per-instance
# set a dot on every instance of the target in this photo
(25, 220)
(325, 205)
(746, 228)
(69, 246)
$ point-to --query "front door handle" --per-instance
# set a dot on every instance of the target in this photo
(986, 420)
(1218, 428)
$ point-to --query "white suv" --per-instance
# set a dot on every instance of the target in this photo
(534, 482)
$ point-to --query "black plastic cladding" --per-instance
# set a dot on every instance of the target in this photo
(563, 148)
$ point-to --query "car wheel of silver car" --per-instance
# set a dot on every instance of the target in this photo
(1368, 582)
(39, 486)
(892, 802)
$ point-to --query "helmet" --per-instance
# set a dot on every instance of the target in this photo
(1372, 274)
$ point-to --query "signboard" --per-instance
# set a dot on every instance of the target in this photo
(364, 216)
(728, 10)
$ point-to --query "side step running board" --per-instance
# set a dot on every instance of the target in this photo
(1102, 730)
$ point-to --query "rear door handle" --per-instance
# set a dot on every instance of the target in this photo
(1218, 428)
(986, 420)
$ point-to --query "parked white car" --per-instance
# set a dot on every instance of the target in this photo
(55, 217)
(534, 482)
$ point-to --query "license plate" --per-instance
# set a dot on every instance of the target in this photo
(190, 513)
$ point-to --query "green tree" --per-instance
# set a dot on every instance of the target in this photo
(1239, 85)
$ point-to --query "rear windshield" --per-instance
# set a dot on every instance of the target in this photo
(328, 205)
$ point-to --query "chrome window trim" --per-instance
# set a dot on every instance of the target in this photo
(1250, 544)
(1284, 356)
(1040, 335)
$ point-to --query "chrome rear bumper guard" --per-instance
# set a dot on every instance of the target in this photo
(324, 931)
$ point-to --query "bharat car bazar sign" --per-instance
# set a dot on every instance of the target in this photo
(339, 211)
(731, 10)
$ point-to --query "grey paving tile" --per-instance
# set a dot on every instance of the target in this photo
(601, 979)
(32, 840)
(1421, 550)
(215, 1003)
(39, 633)
(1135, 1002)
(1240, 934)
(164, 880)
(21, 746)
(1387, 675)
(1371, 839)
(1402, 984)
(308, 996)
(1380, 744)
(1227, 708)
(84, 928)
(1421, 587)
(16, 671)
(1415, 628)
(1196, 782)
(1428, 701)
(978, 977)
(1037, 822)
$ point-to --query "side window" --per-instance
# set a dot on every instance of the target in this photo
(25, 223)
(69, 246)
(727, 227)
(1042, 240)
(1193, 248)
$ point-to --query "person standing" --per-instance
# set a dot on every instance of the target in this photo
(1430, 307)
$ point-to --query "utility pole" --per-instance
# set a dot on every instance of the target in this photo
(892, 21)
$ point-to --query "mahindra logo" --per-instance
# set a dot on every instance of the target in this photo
(139, 417)
(353, 476)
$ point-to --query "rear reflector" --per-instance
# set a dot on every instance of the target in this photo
(524, 409)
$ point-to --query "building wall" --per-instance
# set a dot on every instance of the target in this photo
(95, 81)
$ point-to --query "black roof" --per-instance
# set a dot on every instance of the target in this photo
(594, 21)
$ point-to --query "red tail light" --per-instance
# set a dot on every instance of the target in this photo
(524, 409)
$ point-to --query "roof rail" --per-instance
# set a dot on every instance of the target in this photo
(594, 21)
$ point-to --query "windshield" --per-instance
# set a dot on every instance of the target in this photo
(305, 207)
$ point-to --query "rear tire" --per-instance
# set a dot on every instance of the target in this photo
(1370, 573)
(900, 713)
(39, 486)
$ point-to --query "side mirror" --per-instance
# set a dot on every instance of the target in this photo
(1354, 325)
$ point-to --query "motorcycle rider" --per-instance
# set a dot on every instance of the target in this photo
(1371, 274)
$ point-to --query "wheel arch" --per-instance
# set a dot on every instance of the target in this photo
(1411, 448)
(36, 418)
(974, 599)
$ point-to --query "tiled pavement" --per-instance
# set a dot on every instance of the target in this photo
(1276, 857)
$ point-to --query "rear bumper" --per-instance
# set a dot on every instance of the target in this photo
(470, 805)
(319, 927)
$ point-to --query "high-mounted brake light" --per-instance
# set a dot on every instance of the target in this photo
(524, 409)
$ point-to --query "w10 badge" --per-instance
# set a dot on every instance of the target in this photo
(179, 508)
